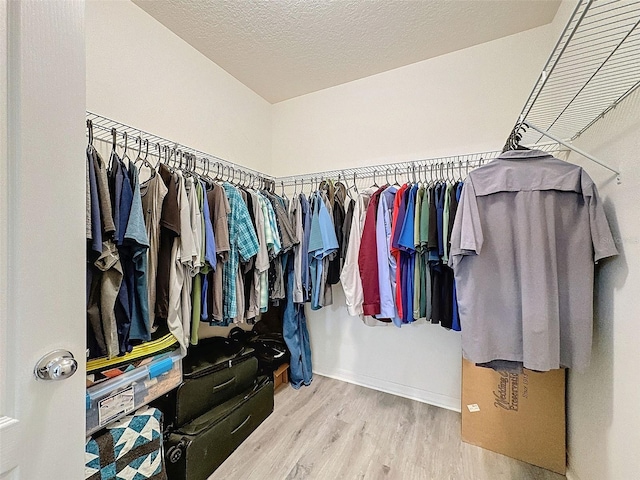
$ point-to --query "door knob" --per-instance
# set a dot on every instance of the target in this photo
(56, 365)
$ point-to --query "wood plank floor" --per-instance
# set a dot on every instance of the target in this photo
(336, 430)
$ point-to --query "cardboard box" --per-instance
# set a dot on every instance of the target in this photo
(518, 415)
(281, 375)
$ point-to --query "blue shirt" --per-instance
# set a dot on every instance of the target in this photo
(455, 324)
(386, 261)
(209, 236)
(306, 226)
(440, 191)
(406, 244)
(135, 237)
(322, 243)
(122, 209)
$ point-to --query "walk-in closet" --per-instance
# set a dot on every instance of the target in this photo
(354, 239)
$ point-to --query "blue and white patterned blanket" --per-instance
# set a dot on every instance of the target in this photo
(130, 449)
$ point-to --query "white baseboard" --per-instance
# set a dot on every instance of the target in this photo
(406, 391)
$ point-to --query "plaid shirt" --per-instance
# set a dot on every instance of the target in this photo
(271, 245)
(244, 243)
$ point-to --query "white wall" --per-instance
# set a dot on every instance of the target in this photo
(142, 74)
(463, 102)
(604, 423)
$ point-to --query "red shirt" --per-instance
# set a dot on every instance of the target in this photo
(368, 259)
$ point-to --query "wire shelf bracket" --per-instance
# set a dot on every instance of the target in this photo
(574, 148)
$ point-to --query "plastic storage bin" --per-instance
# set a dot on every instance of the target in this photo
(112, 399)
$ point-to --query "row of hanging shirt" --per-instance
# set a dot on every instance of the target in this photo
(175, 250)
(395, 268)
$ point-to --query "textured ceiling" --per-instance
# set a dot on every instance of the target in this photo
(285, 48)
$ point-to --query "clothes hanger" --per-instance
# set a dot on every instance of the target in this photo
(347, 188)
(90, 129)
(205, 169)
(515, 137)
(114, 134)
(375, 184)
(174, 152)
(144, 162)
(217, 176)
(125, 155)
(339, 190)
(395, 177)
(138, 141)
(192, 167)
(431, 179)
(178, 157)
(219, 172)
(165, 149)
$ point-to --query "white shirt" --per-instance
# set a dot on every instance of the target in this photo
(350, 275)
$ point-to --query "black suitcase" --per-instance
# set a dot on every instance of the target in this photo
(195, 450)
(213, 372)
(270, 348)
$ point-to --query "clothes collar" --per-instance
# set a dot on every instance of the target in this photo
(524, 155)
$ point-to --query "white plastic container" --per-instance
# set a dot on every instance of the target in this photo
(112, 399)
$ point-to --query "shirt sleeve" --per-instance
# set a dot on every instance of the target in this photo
(466, 237)
(247, 238)
(603, 244)
(219, 209)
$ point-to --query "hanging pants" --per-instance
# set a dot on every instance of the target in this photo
(296, 336)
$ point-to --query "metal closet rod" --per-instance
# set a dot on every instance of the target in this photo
(105, 125)
(404, 168)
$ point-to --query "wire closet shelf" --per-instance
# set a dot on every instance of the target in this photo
(594, 66)
(158, 147)
(453, 166)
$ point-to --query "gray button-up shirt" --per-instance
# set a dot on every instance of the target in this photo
(527, 232)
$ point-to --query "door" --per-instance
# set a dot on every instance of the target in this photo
(42, 229)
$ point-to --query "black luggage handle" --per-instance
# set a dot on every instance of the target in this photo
(224, 385)
(241, 425)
